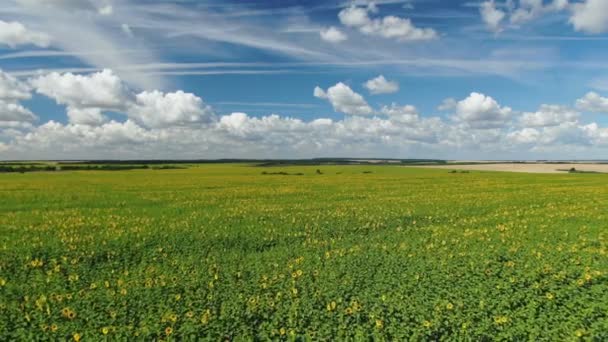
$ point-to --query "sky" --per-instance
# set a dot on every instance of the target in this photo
(187, 79)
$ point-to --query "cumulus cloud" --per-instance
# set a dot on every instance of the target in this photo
(12, 89)
(158, 109)
(86, 96)
(482, 112)
(180, 125)
(491, 15)
(404, 114)
(344, 100)
(496, 15)
(102, 89)
(15, 34)
(448, 104)
(390, 26)
(12, 113)
(532, 9)
(590, 16)
(593, 102)
(380, 85)
(333, 35)
(524, 136)
(549, 115)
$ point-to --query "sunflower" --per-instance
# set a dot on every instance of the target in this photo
(168, 331)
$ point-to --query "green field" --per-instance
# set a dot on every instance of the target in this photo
(223, 252)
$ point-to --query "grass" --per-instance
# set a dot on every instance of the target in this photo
(357, 252)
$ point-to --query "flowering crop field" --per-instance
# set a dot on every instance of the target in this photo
(224, 252)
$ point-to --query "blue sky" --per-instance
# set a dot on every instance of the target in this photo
(512, 79)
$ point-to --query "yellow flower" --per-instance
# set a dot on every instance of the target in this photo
(501, 320)
(579, 333)
(348, 311)
(427, 324)
(168, 331)
(379, 324)
(550, 296)
(449, 306)
(76, 337)
(282, 331)
(2, 282)
(105, 330)
(54, 327)
(206, 316)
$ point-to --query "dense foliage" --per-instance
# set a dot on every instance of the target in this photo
(354, 252)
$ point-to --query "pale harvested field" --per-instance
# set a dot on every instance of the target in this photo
(527, 168)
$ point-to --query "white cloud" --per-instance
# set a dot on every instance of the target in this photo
(15, 34)
(593, 102)
(496, 14)
(407, 114)
(391, 26)
(491, 15)
(157, 109)
(482, 112)
(86, 96)
(524, 136)
(86, 116)
(531, 9)
(12, 89)
(333, 35)
(77, 27)
(448, 104)
(380, 85)
(127, 30)
(11, 112)
(590, 16)
(103, 89)
(106, 10)
(344, 100)
(549, 115)
(181, 125)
